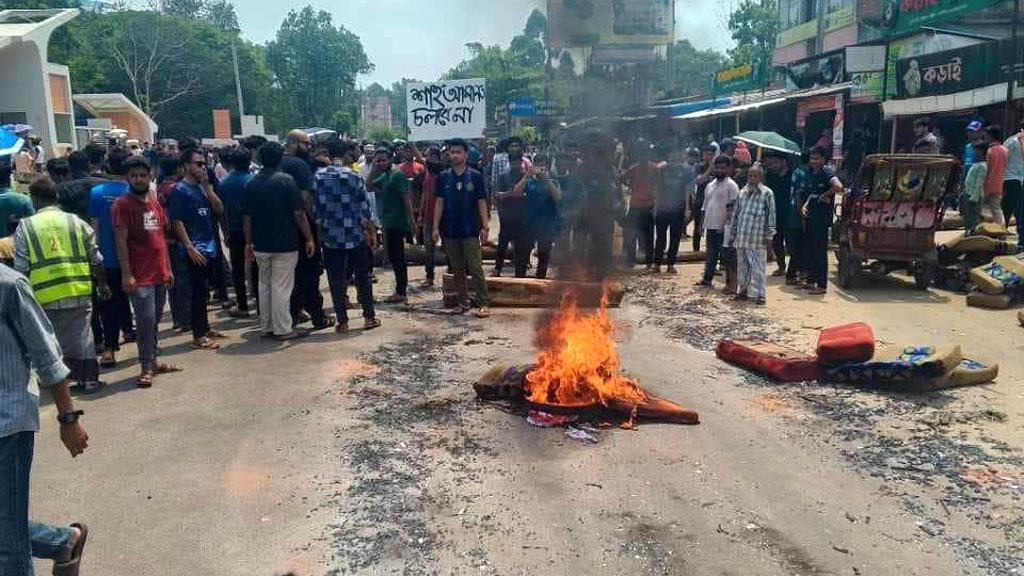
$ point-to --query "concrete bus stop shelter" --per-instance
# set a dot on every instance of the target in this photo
(122, 113)
(33, 90)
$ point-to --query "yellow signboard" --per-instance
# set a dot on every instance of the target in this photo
(795, 34)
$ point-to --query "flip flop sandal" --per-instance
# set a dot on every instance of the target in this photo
(293, 336)
(371, 324)
(165, 368)
(216, 334)
(328, 322)
(70, 568)
(205, 344)
(90, 387)
(144, 381)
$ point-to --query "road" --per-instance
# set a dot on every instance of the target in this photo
(369, 454)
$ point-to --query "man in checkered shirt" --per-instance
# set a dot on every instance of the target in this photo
(753, 227)
(346, 228)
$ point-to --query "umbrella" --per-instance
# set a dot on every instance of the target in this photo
(769, 141)
(9, 143)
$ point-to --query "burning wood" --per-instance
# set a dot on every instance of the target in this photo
(578, 372)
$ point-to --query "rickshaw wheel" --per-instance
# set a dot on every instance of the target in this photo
(849, 267)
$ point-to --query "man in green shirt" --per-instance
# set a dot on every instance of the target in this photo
(13, 206)
(394, 205)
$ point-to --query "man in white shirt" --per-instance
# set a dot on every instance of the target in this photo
(719, 199)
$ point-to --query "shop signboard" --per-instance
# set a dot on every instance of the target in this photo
(823, 71)
(866, 87)
(522, 107)
(739, 79)
(839, 14)
(448, 109)
(948, 72)
(899, 16)
(573, 23)
(798, 33)
(920, 45)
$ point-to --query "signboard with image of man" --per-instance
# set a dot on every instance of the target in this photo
(948, 72)
(439, 111)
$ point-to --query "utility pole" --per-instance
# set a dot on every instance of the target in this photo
(238, 81)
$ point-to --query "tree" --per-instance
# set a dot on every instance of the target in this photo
(754, 25)
(317, 62)
(694, 70)
(192, 9)
(221, 14)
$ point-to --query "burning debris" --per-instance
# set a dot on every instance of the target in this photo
(578, 374)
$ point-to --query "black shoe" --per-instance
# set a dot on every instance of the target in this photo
(741, 297)
(761, 301)
(705, 283)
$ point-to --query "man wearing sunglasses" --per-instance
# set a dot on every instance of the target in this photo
(194, 208)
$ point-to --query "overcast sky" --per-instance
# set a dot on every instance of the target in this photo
(421, 39)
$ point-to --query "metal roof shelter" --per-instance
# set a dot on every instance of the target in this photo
(122, 112)
(32, 90)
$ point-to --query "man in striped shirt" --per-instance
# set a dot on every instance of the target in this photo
(30, 358)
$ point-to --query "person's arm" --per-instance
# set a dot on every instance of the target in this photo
(33, 329)
(21, 251)
(519, 190)
(407, 200)
(770, 234)
(438, 212)
(127, 280)
(299, 214)
(553, 189)
(485, 216)
(215, 202)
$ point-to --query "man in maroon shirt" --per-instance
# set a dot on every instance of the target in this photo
(140, 225)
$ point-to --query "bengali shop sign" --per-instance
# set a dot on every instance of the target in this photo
(900, 16)
(450, 109)
(739, 79)
(948, 72)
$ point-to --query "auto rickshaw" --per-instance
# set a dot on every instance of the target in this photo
(890, 215)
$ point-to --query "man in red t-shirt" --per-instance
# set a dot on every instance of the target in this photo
(643, 179)
(140, 225)
(425, 219)
(414, 170)
(996, 158)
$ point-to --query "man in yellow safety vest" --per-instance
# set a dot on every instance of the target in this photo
(57, 251)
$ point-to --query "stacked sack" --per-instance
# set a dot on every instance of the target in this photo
(846, 354)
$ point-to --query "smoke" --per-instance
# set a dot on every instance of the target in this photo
(705, 23)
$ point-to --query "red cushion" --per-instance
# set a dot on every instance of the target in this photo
(777, 362)
(847, 343)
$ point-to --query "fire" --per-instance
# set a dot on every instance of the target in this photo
(578, 363)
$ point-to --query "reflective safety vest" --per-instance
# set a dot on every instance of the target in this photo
(58, 257)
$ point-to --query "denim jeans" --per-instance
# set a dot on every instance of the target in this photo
(716, 239)
(20, 539)
(343, 264)
(148, 303)
(180, 293)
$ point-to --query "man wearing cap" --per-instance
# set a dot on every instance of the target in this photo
(974, 133)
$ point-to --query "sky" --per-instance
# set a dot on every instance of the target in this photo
(423, 40)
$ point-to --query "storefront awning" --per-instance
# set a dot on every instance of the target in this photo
(966, 100)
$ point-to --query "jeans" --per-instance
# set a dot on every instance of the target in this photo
(464, 258)
(394, 244)
(716, 240)
(181, 292)
(200, 280)
(148, 303)
(544, 242)
(219, 277)
(236, 248)
(641, 222)
(426, 237)
(509, 232)
(305, 293)
(342, 264)
(115, 314)
(817, 255)
(668, 228)
(277, 283)
(20, 539)
(698, 232)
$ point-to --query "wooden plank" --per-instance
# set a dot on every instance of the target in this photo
(536, 293)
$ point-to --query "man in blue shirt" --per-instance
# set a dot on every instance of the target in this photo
(346, 228)
(542, 222)
(232, 193)
(115, 312)
(193, 209)
(461, 217)
(819, 195)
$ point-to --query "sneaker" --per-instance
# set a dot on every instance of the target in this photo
(761, 301)
(741, 297)
(396, 299)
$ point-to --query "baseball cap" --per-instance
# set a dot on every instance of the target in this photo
(975, 126)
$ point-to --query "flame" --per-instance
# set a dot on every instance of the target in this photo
(578, 363)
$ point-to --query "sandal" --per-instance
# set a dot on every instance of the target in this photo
(328, 322)
(294, 334)
(341, 328)
(144, 380)
(161, 368)
(205, 344)
(108, 360)
(215, 334)
(70, 568)
(371, 323)
(483, 313)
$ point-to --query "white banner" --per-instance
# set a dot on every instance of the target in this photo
(446, 109)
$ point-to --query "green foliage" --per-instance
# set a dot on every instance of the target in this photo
(384, 134)
(754, 25)
(318, 63)
(694, 69)
(529, 134)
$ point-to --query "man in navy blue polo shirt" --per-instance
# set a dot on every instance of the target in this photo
(194, 206)
(462, 219)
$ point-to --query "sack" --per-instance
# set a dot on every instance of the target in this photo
(775, 361)
(979, 244)
(972, 372)
(931, 361)
(503, 382)
(1002, 274)
(990, 229)
(847, 343)
(995, 302)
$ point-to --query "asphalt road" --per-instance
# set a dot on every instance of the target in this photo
(369, 454)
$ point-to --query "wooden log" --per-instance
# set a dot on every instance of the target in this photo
(536, 293)
(691, 257)
(490, 252)
(415, 255)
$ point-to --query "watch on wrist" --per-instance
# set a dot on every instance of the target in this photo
(70, 417)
